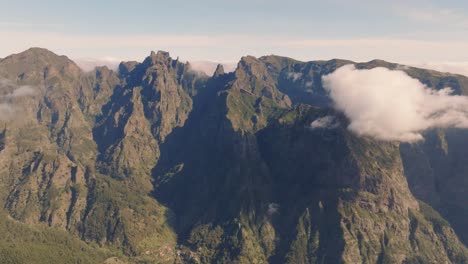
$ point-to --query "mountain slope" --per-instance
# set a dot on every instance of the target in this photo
(168, 165)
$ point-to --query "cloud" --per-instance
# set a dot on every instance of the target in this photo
(294, 76)
(390, 105)
(451, 67)
(21, 91)
(434, 15)
(273, 208)
(8, 109)
(209, 67)
(88, 64)
(429, 14)
(309, 84)
(401, 67)
(15, 90)
(326, 122)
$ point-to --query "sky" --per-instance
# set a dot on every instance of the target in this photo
(432, 34)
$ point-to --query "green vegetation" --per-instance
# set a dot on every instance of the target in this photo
(23, 243)
(160, 164)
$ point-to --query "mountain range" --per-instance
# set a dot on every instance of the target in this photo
(158, 163)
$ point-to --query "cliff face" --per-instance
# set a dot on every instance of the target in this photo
(169, 165)
(436, 172)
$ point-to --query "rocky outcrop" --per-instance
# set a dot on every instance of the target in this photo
(165, 164)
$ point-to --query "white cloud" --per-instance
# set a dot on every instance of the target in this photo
(326, 122)
(434, 15)
(428, 14)
(401, 67)
(7, 107)
(451, 67)
(88, 64)
(390, 105)
(309, 84)
(23, 90)
(15, 90)
(273, 208)
(209, 67)
(294, 76)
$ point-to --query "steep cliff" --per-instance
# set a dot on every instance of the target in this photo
(158, 163)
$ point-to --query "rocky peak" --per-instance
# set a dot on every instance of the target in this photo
(126, 67)
(38, 53)
(278, 62)
(160, 53)
(248, 65)
(377, 63)
(38, 63)
(219, 71)
(103, 72)
(160, 57)
(253, 73)
(247, 61)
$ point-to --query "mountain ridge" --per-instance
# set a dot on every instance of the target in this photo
(162, 164)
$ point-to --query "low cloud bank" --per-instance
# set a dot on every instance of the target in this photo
(326, 122)
(7, 108)
(89, 64)
(24, 90)
(209, 67)
(451, 67)
(390, 105)
(294, 76)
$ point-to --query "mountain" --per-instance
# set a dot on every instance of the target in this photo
(159, 163)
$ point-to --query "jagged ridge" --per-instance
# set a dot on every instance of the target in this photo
(170, 165)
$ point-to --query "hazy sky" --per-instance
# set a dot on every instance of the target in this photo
(402, 31)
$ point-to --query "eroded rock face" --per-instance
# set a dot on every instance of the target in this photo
(436, 170)
(169, 165)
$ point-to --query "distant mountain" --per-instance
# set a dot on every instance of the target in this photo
(158, 163)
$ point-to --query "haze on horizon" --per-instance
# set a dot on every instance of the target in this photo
(423, 33)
